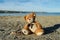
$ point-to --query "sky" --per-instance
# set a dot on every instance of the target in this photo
(31, 5)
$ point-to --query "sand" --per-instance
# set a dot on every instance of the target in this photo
(51, 25)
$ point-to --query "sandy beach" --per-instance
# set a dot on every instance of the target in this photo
(50, 24)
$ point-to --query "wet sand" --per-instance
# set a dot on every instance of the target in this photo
(51, 25)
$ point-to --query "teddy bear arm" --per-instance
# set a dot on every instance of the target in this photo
(38, 25)
(26, 26)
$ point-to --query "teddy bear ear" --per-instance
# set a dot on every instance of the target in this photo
(25, 17)
(34, 13)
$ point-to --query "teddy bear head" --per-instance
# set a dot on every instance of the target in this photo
(30, 17)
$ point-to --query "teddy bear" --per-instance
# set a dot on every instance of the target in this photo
(32, 25)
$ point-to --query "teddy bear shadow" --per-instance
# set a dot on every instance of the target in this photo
(51, 29)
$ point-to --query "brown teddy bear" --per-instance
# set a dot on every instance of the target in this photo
(32, 26)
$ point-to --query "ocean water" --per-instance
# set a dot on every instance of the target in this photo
(22, 14)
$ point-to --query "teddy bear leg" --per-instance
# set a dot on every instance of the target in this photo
(24, 31)
(39, 32)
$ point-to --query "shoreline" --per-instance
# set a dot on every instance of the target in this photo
(22, 14)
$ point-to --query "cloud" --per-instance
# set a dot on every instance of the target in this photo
(30, 5)
(23, 7)
(22, 1)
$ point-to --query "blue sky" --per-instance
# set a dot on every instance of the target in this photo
(31, 5)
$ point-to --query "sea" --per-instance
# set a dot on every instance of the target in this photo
(22, 14)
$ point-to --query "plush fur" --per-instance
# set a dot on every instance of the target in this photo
(32, 26)
(36, 28)
(26, 30)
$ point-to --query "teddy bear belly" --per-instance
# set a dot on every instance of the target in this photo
(33, 28)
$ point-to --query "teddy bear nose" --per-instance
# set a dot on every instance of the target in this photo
(29, 19)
